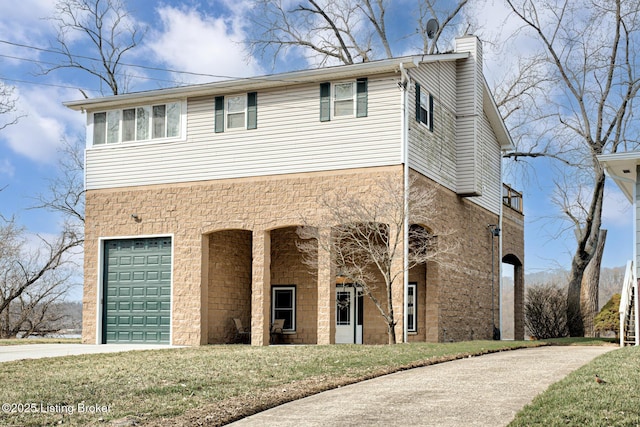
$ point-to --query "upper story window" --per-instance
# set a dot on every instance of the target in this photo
(424, 107)
(344, 99)
(236, 112)
(137, 124)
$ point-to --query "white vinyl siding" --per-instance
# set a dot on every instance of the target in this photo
(290, 139)
(438, 155)
(434, 153)
(490, 169)
(469, 111)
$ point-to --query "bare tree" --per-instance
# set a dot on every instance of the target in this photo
(575, 94)
(7, 105)
(65, 192)
(344, 31)
(367, 238)
(108, 29)
(31, 279)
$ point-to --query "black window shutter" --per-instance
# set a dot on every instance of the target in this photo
(430, 112)
(362, 97)
(252, 110)
(325, 102)
(219, 115)
(417, 101)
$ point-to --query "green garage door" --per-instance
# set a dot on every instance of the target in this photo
(137, 290)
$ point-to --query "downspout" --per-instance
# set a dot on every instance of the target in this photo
(404, 86)
(501, 204)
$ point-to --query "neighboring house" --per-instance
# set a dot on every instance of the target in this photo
(194, 195)
(624, 169)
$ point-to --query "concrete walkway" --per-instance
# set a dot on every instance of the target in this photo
(36, 351)
(478, 391)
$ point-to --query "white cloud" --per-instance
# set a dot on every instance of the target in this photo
(23, 22)
(6, 168)
(44, 124)
(191, 41)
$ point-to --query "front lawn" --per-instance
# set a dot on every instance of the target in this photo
(578, 400)
(21, 341)
(217, 383)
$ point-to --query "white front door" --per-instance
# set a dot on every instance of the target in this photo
(348, 318)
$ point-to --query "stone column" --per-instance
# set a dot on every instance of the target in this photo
(518, 311)
(326, 332)
(204, 292)
(261, 288)
(432, 304)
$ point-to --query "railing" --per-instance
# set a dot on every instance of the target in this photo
(629, 333)
(511, 198)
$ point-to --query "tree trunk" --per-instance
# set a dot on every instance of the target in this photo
(587, 243)
(391, 330)
(590, 287)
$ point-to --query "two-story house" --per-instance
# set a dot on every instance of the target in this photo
(194, 195)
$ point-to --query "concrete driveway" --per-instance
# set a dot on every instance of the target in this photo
(478, 391)
(37, 351)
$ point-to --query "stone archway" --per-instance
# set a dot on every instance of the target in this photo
(512, 313)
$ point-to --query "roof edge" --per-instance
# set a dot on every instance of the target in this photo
(266, 81)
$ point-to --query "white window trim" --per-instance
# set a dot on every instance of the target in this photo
(182, 132)
(292, 288)
(354, 100)
(227, 112)
(425, 94)
(414, 328)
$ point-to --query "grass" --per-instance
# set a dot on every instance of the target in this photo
(582, 341)
(216, 383)
(17, 341)
(579, 400)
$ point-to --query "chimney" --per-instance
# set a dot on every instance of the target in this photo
(469, 113)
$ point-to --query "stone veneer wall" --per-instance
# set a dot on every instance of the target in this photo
(199, 216)
(458, 294)
(229, 292)
(513, 251)
(189, 212)
(287, 268)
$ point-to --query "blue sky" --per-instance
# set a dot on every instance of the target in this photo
(207, 37)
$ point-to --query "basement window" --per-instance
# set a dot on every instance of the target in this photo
(283, 306)
(412, 321)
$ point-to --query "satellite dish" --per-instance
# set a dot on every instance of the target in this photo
(432, 28)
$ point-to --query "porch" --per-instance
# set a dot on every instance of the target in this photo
(261, 276)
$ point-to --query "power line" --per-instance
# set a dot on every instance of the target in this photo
(89, 58)
(37, 61)
(45, 84)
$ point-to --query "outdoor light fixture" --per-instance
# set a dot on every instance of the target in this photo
(135, 217)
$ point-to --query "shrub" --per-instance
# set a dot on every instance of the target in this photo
(608, 320)
(545, 311)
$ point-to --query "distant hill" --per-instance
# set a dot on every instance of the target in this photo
(610, 283)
